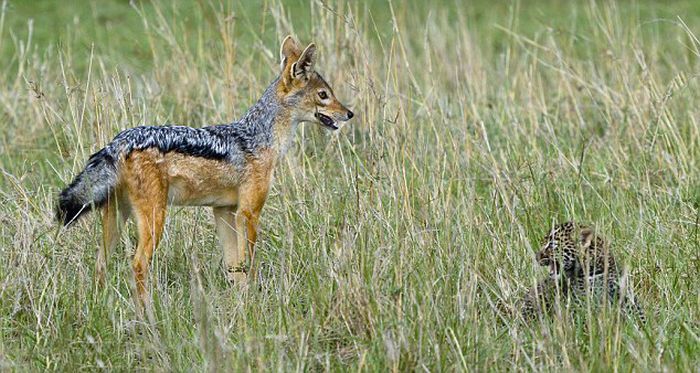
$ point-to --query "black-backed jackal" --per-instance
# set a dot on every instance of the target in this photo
(228, 167)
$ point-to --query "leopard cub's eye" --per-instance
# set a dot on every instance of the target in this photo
(322, 95)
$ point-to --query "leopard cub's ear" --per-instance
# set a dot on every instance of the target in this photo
(587, 237)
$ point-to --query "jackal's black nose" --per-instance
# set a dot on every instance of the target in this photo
(350, 114)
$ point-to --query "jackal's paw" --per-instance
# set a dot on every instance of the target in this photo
(236, 276)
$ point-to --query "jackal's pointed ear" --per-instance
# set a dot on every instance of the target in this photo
(289, 51)
(305, 63)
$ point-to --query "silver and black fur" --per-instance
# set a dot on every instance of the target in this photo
(227, 142)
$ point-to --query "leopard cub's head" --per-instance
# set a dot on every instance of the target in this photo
(562, 248)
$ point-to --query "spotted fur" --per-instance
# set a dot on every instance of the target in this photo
(581, 265)
(541, 299)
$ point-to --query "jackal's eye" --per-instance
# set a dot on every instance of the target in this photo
(322, 95)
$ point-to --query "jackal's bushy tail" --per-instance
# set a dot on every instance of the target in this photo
(90, 188)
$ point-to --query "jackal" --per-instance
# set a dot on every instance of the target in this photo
(228, 167)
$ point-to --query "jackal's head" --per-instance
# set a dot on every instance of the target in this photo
(303, 90)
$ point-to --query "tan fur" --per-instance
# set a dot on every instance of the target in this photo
(225, 220)
(200, 181)
(152, 180)
(146, 186)
(115, 213)
(253, 194)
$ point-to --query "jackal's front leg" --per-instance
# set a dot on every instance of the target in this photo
(247, 232)
(234, 260)
(251, 201)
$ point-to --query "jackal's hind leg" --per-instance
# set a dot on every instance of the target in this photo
(147, 189)
(150, 219)
(114, 215)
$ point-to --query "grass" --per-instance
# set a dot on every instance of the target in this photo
(385, 246)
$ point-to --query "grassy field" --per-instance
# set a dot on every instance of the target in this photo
(385, 245)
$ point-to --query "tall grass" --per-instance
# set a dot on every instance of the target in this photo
(384, 246)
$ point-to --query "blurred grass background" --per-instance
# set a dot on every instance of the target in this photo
(386, 245)
(115, 29)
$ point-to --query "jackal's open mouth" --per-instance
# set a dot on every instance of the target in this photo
(326, 120)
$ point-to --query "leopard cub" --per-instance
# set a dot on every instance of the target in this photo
(581, 266)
